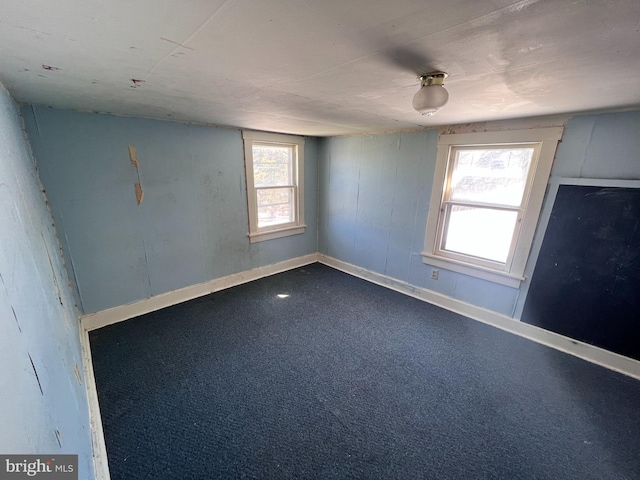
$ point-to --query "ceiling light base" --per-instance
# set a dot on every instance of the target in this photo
(433, 78)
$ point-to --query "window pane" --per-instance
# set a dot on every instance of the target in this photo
(272, 165)
(496, 176)
(480, 232)
(275, 206)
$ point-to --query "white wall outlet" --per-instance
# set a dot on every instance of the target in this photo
(434, 274)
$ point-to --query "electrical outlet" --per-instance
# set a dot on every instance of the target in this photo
(434, 274)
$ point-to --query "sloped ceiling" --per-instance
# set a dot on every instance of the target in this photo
(321, 67)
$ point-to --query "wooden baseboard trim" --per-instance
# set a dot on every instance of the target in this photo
(125, 312)
(100, 462)
(93, 321)
(113, 315)
(590, 353)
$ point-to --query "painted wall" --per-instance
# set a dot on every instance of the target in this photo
(375, 192)
(600, 146)
(43, 404)
(374, 201)
(192, 224)
(191, 227)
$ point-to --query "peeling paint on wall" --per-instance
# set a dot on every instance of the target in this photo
(196, 231)
(137, 186)
(502, 125)
(132, 156)
(139, 192)
(33, 291)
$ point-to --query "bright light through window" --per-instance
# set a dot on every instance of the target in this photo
(275, 173)
(488, 189)
(496, 176)
(483, 200)
(482, 233)
(273, 179)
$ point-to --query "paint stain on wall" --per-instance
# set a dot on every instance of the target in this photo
(65, 314)
(16, 318)
(132, 156)
(53, 270)
(138, 185)
(175, 43)
(36, 374)
(139, 192)
(76, 370)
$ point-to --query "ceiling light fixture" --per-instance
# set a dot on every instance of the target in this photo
(432, 95)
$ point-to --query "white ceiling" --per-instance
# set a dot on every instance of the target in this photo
(321, 67)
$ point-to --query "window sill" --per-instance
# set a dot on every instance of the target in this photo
(494, 276)
(271, 234)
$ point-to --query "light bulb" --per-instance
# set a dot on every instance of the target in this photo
(430, 99)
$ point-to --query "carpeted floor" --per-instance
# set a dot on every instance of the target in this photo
(346, 379)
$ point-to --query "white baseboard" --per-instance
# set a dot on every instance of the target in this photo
(113, 315)
(93, 321)
(125, 312)
(100, 462)
(599, 356)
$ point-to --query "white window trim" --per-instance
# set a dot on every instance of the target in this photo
(274, 231)
(512, 273)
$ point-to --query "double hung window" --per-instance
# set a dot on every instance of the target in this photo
(275, 171)
(487, 195)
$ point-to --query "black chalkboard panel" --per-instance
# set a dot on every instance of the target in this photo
(586, 284)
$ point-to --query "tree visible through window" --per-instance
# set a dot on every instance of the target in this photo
(273, 180)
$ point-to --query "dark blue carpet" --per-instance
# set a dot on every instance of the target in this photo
(346, 379)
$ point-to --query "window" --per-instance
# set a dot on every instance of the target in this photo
(487, 194)
(275, 172)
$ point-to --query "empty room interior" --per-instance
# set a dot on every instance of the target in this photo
(294, 239)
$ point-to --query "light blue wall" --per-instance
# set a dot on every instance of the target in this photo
(39, 334)
(374, 200)
(600, 146)
(374, 197)
(192, 224)
(375, 192)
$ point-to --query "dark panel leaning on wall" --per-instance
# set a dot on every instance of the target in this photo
(586, 284)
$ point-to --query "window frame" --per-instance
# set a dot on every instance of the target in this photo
(510, 273)
(297, 226)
